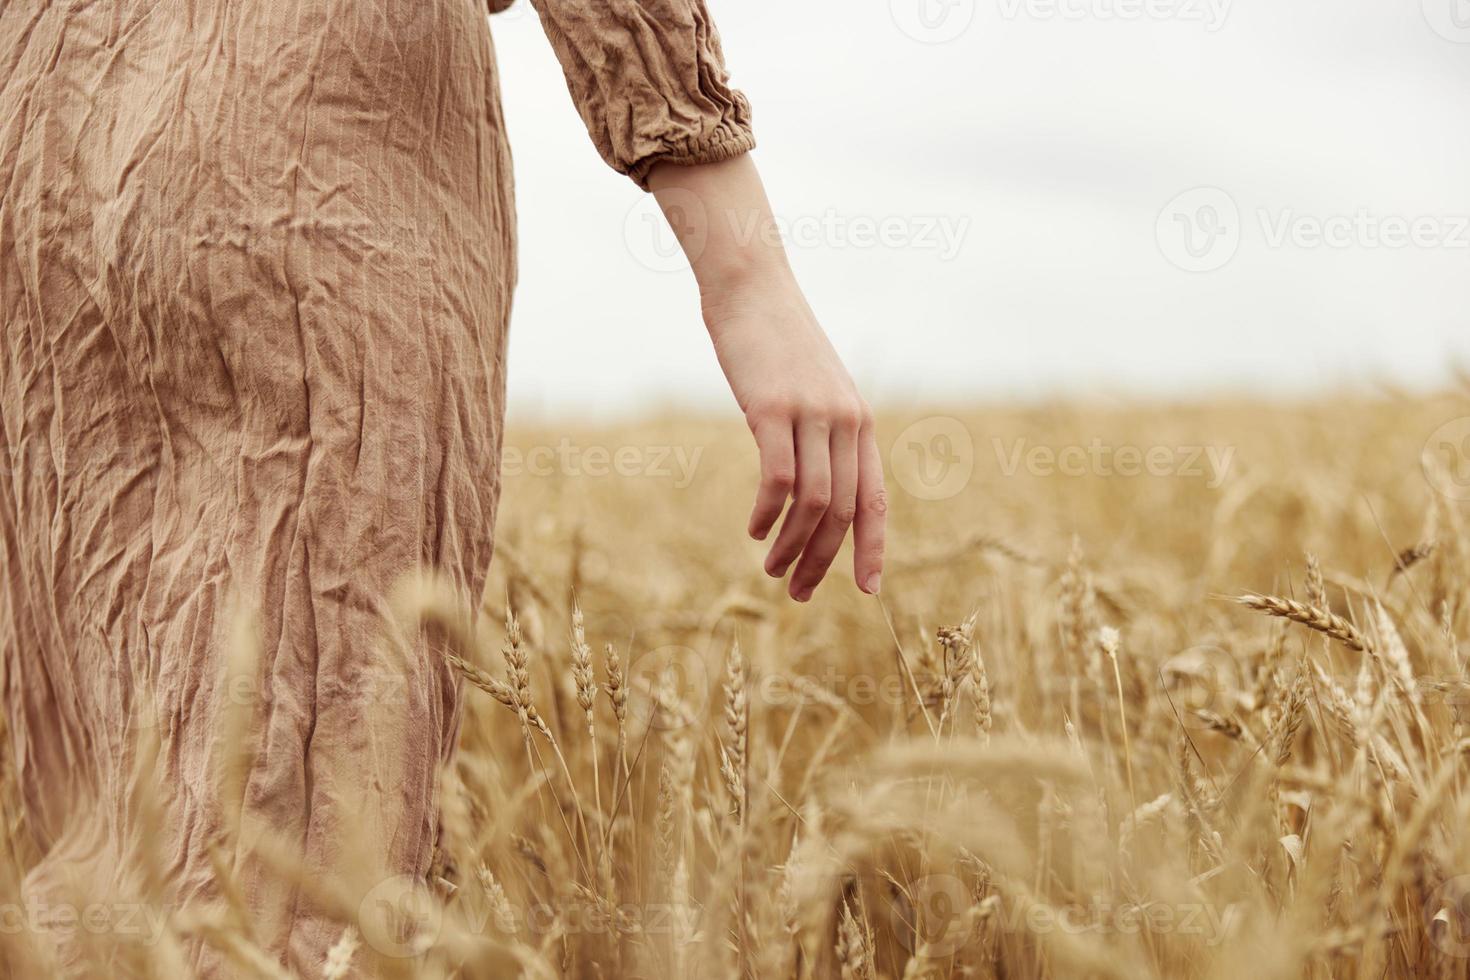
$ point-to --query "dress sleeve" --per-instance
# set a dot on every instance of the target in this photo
(649, 80)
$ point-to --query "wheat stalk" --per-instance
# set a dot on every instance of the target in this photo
(1329, 624)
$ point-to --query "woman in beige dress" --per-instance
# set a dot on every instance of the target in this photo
(256, 264)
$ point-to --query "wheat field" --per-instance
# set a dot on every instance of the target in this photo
(1151, 690)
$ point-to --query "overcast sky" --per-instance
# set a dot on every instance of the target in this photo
(991, 199)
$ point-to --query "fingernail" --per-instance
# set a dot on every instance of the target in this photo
(803, 595)
(872, 584)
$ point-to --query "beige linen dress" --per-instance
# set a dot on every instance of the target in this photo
(256, 264)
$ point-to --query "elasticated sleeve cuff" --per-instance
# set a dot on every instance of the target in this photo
(649, 79)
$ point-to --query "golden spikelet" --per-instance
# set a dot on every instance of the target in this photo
(1311, 617)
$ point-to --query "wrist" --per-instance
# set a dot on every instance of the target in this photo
(731, 279)
(724, 223)
(759, 301)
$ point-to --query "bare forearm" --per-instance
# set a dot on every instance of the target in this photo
(815, 433)
(724, 222)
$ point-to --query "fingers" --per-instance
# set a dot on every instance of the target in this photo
(812, 496)
(774, 437)
(827, 463)
(872, 513)
(822, 547)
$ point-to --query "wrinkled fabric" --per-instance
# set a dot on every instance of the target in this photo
(256, 264)
(648, 77)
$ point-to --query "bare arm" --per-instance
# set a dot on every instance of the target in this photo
(817, 443)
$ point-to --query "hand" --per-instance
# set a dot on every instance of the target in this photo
(815, 433)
